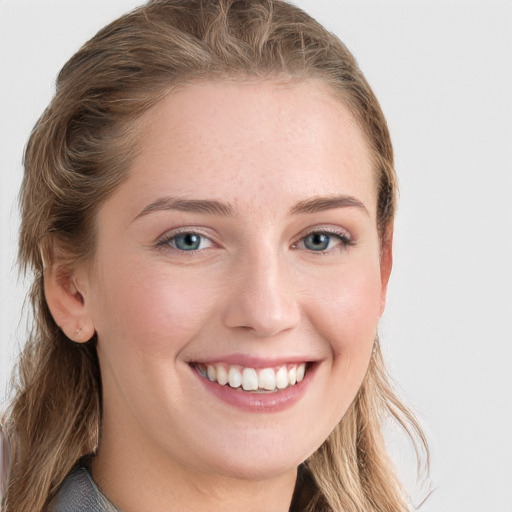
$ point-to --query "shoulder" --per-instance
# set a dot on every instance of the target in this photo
(79, 493)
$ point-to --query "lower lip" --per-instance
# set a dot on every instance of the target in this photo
(259, 402)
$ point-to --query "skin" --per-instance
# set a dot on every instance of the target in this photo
(253, 287)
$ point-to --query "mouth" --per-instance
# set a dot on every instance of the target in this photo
(254, 380)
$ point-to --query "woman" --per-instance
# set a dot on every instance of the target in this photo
(208, 212)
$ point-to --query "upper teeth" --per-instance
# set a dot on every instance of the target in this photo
(251, 379)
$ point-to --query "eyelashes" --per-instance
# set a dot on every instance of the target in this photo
(320, 241)
(187, 241)
(323, 241)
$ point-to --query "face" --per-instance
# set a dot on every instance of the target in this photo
(238, 279)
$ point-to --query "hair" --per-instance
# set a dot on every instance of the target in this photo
(78, 154)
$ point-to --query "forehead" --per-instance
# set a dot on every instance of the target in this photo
(238, 141)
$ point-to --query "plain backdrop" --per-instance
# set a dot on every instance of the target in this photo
(442, 72)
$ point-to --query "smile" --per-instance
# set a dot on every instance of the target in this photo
(261, 380)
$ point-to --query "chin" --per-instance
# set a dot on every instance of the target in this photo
(256, 469)
(255, 459)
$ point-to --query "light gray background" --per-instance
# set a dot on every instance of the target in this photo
(442, 71)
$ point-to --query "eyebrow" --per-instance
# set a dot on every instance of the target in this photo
(213, 207)
(188, 205)
(320, 204)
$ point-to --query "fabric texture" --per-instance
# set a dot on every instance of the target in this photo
(79, 493)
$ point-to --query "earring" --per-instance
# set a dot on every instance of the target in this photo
(77, 334)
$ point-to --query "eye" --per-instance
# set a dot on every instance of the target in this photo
(324, 241)
(318, 241)
(186, 241)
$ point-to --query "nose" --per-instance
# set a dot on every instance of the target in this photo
(261, 298)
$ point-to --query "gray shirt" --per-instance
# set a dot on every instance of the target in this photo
(79, 493)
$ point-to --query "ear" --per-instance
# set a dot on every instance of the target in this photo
(386, 263)
(66, 303)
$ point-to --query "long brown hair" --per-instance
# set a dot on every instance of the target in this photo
(78, 154)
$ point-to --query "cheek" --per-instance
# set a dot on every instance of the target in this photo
(346, 312)
(152, 311)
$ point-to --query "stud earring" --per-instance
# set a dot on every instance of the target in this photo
(77, 334)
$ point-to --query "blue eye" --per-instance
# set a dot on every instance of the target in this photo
(186, 241)
(322, 241)
(317, 241)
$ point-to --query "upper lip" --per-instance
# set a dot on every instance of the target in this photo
(251, 361)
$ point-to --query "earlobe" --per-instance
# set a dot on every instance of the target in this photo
(386, 264)
(67, 304)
